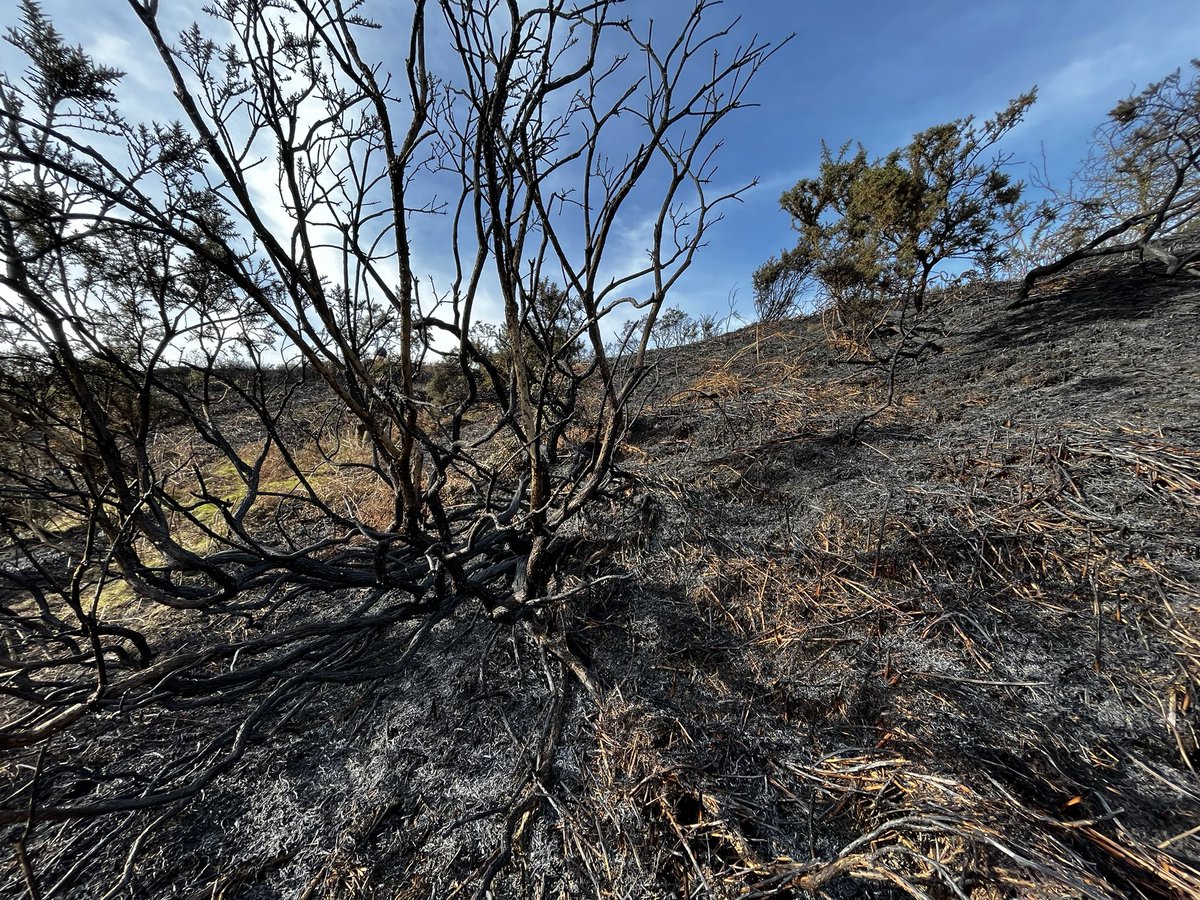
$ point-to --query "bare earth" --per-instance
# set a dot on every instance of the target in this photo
(955, 654)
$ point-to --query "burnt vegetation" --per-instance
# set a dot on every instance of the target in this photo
(322, 577)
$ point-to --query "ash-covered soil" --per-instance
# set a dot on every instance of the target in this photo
(949, 651)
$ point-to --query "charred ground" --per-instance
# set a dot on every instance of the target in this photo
(951, 651)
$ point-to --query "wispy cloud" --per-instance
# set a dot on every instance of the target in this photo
(877, 74)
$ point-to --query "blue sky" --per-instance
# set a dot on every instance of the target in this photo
(878, 71)
(869, 71)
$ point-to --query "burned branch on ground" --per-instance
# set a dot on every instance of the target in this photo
(1139, 192)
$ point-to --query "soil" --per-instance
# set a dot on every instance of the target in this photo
(823, 646)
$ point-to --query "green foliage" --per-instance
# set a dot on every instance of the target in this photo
(547, 346)
(447, 383)
(873, 233)
(547, 340)
(551, 326)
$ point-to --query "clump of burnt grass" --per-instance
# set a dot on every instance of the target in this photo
(958, 658)
(986, 689)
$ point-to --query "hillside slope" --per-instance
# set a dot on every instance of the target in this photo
(961, 646)
(951, 652)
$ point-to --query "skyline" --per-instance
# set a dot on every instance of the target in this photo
(875, 77)
(955, 60)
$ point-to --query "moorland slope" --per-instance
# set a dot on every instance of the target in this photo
(946, 646)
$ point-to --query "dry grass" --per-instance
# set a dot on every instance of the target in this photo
(720, 383)
(339, 472)
(958, 659)
(938, 704)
